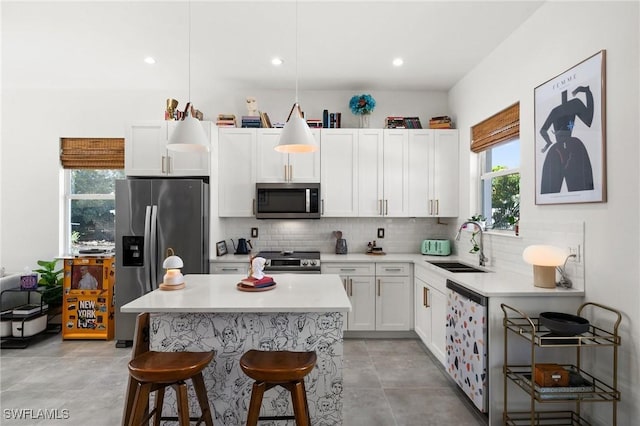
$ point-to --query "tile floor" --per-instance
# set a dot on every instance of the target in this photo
(386, 383)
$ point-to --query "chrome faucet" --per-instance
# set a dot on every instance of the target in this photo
(481, 257)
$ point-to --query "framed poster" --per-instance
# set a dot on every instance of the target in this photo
(570, 135)
(221, 248)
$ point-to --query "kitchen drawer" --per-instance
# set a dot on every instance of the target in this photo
(349, 268)
(393, 269)
(229, 268)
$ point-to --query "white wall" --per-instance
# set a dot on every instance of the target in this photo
(558, 36)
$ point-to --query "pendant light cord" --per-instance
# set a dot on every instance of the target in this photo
(296, 51)
(189, 53)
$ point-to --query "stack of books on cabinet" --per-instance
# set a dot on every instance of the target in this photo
(226, 120)
(251, 121)
(397, 122)
(441, 122)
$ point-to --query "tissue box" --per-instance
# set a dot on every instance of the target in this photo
(549, 375)
(29, 281)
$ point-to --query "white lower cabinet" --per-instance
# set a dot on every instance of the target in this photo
(359, 283)
(380, 295)
(393, 296)
(431, 311)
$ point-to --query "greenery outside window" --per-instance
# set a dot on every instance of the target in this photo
(500, 185)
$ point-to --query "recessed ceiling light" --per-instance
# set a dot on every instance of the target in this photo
(277, 61)
(397, 62)
(149, 60)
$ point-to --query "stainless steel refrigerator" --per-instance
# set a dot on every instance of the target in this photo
(153, 215)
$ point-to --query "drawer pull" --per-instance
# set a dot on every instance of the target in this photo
(347, 269)
(393, 269)
(426, 299)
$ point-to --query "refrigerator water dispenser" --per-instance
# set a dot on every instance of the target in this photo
(133, 247)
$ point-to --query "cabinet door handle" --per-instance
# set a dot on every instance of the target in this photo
(430, 206)
(253, 206)
(286, 178)
(378, 288)
(322, 207)
(344, 284)
(350, 287)
(231, 269)
(290, 172)
(437, 206)
(163, 164)
(386, 207)
(380, 207)
(426, 299)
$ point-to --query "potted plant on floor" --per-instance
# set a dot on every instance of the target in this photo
(51, 279)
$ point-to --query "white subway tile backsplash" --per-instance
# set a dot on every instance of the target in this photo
(405, 236)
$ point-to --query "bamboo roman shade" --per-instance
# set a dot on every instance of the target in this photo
(92, 153)
(498, 128)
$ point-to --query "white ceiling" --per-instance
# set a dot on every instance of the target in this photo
(342, 45)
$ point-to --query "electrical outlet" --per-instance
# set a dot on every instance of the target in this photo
(254, 232)
(575, 250)
(380, 232)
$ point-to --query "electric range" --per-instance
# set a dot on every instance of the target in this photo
(299, 262)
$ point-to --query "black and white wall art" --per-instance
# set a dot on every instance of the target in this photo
(570, 135)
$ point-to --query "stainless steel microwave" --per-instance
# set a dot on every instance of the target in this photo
(288, 201)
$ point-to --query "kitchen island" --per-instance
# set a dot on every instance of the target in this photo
(302, 313)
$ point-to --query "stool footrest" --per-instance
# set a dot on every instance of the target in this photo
(277, 418)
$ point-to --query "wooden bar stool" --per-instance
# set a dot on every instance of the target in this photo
(154, 371)
(278, 368)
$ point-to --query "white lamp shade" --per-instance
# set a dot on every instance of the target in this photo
(544, 255)
(296, 137)
(188, 136)
(172, 262)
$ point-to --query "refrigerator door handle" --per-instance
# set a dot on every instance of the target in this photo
(154, 247)
(146, 256)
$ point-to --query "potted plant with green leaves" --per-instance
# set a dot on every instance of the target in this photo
(482, 221)
(51, 279)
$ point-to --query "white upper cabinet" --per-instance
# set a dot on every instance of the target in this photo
(339, 171)
(396, 173)
(236, 172)
(433, 173)
(383, 175)
(445, 173)
(370, 177)
(274, 166)
(146, 152)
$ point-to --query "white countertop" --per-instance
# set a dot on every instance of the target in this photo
(495, 283)
(218, 293)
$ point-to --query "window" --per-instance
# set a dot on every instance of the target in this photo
(500, 185)
(497, 140)
(91, 169)
(90, 208)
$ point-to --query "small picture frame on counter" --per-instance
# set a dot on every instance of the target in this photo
(221, 248)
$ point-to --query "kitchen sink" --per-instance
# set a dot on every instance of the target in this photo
(455, 267)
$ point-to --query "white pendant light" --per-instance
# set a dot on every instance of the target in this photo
(189, 135)
(296, 136)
